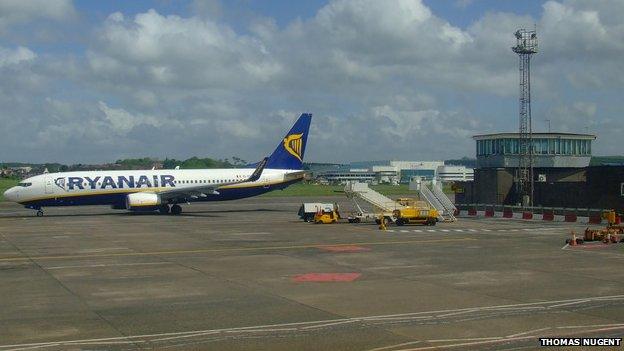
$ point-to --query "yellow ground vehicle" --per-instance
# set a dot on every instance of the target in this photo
(327, 216)
(415, 212)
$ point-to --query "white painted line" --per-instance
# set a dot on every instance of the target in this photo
(417, 231)
(404, 231)
(104, 249)
(569, 303)
(445, 230)
(390, 230)
(466, 339)
(394, 267)
(109, 265)
(310, 324)
(458, 230)
(431, 230)
(590, 326)
(395, 346)
(528, 332)
(472, 230)
(486, 230)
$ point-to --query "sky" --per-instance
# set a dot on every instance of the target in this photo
(96, 81)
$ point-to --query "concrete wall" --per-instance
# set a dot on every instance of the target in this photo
(591, 187)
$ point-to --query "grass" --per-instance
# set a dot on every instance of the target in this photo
(6, 183)
(302, 189)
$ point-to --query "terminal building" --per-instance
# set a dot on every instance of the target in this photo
(562, 173)
(394, 172)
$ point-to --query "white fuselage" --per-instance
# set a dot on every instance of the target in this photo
(110, 187)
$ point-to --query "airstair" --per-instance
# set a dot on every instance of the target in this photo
(438, 199)
(355, 191)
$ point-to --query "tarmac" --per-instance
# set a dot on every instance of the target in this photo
(249, 275)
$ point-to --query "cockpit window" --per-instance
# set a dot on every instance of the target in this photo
(24, 185)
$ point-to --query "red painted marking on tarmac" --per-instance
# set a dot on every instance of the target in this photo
(326, 277)
(344, 248)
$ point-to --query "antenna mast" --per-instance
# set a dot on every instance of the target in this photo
(526, 45)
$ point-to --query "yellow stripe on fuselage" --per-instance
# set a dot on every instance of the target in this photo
(154, 190)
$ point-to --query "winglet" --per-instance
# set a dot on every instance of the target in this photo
(258, 172)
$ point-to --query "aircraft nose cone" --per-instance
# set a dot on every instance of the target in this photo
(10, 194)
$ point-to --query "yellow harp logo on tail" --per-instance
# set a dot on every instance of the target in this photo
(294, 144)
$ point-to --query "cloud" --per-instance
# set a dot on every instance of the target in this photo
(15, 56)
(384, 80)
(123, 121)
(18, 11)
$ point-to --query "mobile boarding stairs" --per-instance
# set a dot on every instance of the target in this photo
(436, 199)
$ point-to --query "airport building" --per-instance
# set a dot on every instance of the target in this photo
(562, 173)
(394, 172)
(550, 150)
(455, 174)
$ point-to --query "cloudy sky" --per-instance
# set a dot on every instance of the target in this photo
(94, 81)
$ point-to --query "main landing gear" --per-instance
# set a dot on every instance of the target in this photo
(174, 209)
(163, 209)
(39, 213)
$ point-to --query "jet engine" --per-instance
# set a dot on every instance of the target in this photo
(140, 201)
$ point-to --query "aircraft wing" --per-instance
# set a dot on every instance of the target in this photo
(204, 189)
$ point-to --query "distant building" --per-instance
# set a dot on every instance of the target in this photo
(395, 172)
(342, 177)
(386, 174)
(455, 174)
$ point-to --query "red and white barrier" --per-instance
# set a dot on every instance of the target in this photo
(528, 215)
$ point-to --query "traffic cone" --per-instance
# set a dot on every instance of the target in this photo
(573, 242)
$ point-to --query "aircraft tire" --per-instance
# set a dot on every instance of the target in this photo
(40, 213)
(164, 209)
(176, 209)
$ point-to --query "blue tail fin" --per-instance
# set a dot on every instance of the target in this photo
(289, 152)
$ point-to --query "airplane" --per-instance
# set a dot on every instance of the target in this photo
(163, 190)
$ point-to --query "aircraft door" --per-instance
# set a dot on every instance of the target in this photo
(49, 185)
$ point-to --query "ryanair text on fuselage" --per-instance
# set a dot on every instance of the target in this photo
(122, 182)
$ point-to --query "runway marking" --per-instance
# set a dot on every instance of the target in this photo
(394, 267)
(397, 345)
(233, 249)
(501, 230)
(499, 339)
(109, 265)
(298, 326)
(528, 332)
